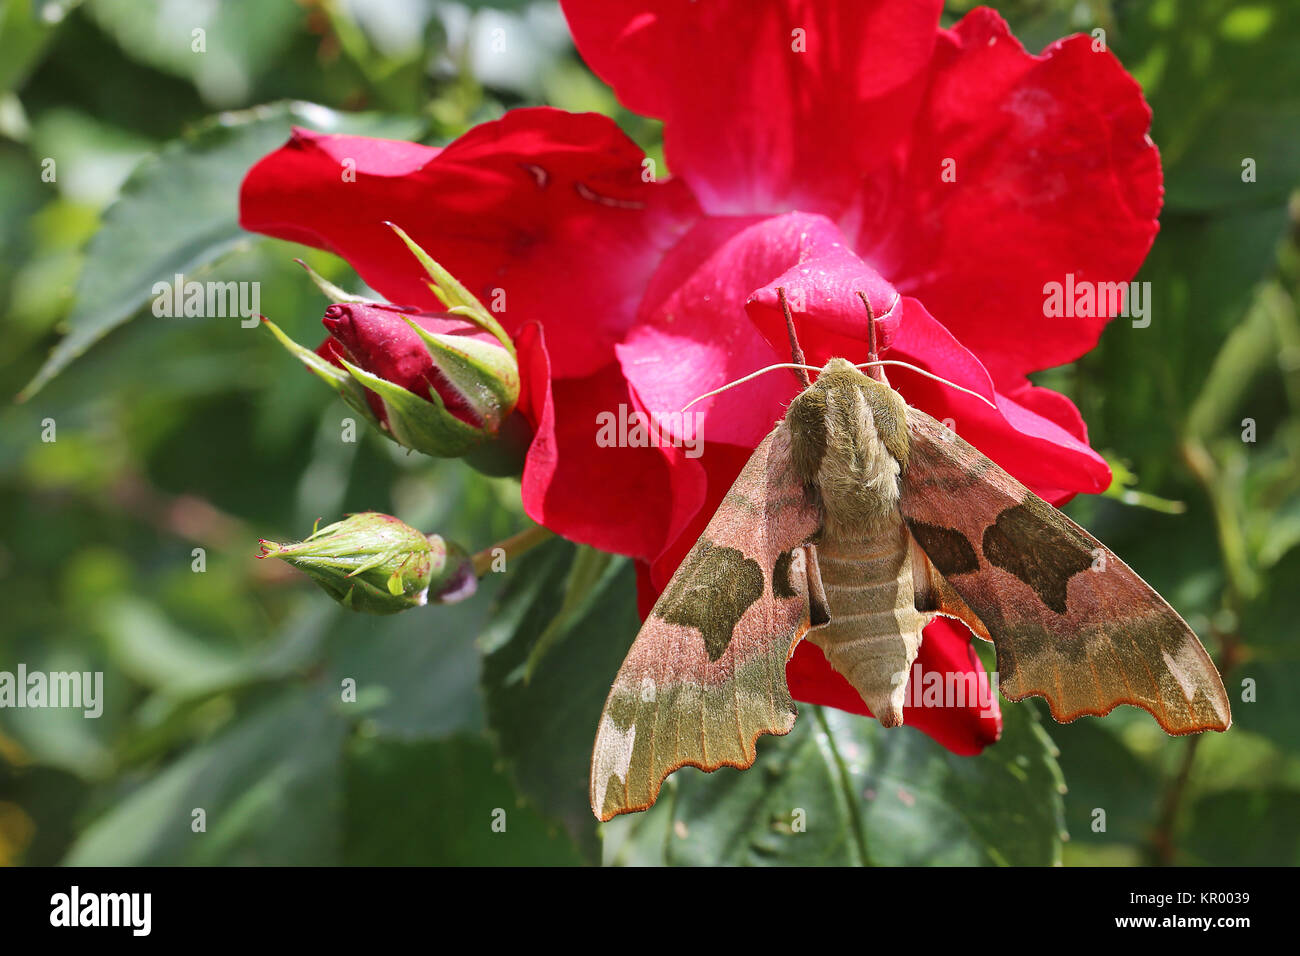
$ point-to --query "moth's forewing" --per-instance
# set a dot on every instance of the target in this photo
(706, 674)
(1071, 622)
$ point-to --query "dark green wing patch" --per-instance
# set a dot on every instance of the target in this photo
(1031, 542)
(711, 592)
(782, 586)
(947, 548)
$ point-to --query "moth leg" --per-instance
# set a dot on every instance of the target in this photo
(819, 609)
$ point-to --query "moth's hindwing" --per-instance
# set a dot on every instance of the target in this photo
(706, 674)
(1071, 622)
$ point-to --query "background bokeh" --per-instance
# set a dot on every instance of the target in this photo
(222, 686)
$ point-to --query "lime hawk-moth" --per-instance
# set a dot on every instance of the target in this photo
(856, 520)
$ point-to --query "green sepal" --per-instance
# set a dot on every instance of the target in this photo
(346, 385)
(421, 424)
(485, 375)
(333, 292)
(457, 299)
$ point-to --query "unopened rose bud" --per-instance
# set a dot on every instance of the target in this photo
(439, 383)
(372, 562)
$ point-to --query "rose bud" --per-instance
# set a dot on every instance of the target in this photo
(441, 384)
(372, 562)
(463, 381)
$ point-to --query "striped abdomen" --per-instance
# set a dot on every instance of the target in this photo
(875, 630)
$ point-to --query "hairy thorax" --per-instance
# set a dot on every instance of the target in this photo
(849, 442)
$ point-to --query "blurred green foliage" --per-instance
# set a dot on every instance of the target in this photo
(221, 687)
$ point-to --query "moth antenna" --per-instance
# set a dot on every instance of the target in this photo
(751, 375)
(796, 353)
(872, 354)
(921, 371)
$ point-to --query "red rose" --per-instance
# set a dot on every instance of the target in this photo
(828, 147)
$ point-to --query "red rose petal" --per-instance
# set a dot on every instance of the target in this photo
(1054, 174)
(767, 107)
(542, 213)
(627, 500)
(692, 335)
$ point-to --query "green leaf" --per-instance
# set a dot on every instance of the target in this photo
(1224, 83)
(841, 790)
(220, 47)
(1105, 774)
(26, 29)
(63, 737)
(1142, 381)
(148, 647)
(545, 721)
(1247, 827)
(422, 668)
(1281, 531)
(441, 803)
(270, 787)
(1268, 626)
(584, 583)
(179, 212)
(1251, 348)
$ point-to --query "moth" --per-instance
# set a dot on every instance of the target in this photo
(857, 520)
